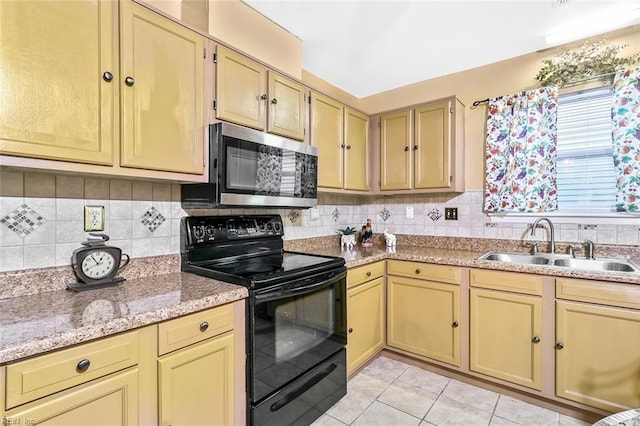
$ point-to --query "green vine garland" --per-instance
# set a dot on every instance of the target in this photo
(589, 60)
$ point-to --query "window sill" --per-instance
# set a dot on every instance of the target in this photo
(602, 218)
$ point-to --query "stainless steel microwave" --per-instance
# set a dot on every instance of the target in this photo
(250, 168)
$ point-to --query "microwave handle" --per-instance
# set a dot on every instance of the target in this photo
(280, 294)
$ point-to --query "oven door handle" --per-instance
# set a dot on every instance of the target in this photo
(270, 295)
(302, 389)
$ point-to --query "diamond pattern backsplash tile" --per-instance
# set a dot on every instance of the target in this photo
(23, 220)
(335, 214)
(434, 214)
(385, 214)
(152, 219)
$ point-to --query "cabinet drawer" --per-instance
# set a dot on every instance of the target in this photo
(190, 329)
(508, 281)
(425, 271)
(364, 273)
(602, 292)
(46, 374)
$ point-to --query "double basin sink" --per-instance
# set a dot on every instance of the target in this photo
(564, 261)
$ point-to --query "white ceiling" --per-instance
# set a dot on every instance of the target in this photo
(370, 46)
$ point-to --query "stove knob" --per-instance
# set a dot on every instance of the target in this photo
(198, 232)
(276, 226)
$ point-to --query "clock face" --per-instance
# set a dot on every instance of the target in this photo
(98, 264)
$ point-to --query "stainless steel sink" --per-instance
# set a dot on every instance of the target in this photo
(613, 265)
(563, 261)
(526, 259)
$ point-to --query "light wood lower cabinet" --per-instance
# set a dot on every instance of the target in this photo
(505, 330)
(192, 375)
(196, 384)
(365, 314)
(110, 401)
(423, 316)
(597, 346)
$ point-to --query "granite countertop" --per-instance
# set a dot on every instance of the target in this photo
(38, 323)
(464, 258)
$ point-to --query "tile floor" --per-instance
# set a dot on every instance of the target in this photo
(391, 393)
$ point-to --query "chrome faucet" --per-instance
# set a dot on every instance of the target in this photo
(552, 250)
(589, 249)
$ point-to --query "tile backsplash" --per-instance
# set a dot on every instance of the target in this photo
(42, 218)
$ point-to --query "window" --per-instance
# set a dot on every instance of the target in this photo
(586, 179)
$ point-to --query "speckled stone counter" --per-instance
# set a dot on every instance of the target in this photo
(465, 258)
(38, 323)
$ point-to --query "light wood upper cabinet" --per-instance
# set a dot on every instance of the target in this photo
(505, 336)
(241, 89)
(162, 96)
(598, 355)
(395, 152)
(244, 88)
(432, 146)
(286, 107)
(342, 138)
(356, 154)
(55, 103)
(422, 148)
(327, 135)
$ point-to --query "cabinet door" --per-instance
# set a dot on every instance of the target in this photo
(196, 384)
(356, 158)
(395, 151)
(54, 102)
(505, 335)
(327, 135)
(599, 363)
(162, 93)
(423, 318)
(287, 112)
(241, 89)
(111, 401)
(365, 322)
(432, 156)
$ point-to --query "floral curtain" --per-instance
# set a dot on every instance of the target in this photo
(625, 117)
(521, 152)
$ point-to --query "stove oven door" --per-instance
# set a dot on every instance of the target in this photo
(297, 335)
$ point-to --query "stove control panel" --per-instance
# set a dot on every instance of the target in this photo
(210, 229)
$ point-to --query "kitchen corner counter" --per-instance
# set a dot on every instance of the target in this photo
(35, 324)
(464, 258)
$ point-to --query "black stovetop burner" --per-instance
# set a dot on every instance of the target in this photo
(245, 250)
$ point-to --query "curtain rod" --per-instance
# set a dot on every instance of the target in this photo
(595, 77)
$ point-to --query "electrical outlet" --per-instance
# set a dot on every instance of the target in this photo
(450, 213)
(93, 218)
(409, 212)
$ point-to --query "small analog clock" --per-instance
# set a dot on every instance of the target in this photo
(96, 264)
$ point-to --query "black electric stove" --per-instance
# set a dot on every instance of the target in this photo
(296, 313)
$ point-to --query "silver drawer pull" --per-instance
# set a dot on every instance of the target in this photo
(83, 365)
(204, 325)
(369, 273)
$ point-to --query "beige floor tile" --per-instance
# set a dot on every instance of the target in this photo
(449, 412)
(385, 368)
(499, 421)
(474, 396)
(408, 398)
(326, 420)
(350, 406)
(524, 413)
(424, 379)
(367, 385)
(379, 414)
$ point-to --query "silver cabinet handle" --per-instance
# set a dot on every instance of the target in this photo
(203, 326)
(83, 365)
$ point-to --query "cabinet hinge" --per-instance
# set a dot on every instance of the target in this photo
(204, 52)
(309, 100)
(215, 105)
(450, 109)
(450, 179)
(215, 58)
(379, 122)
